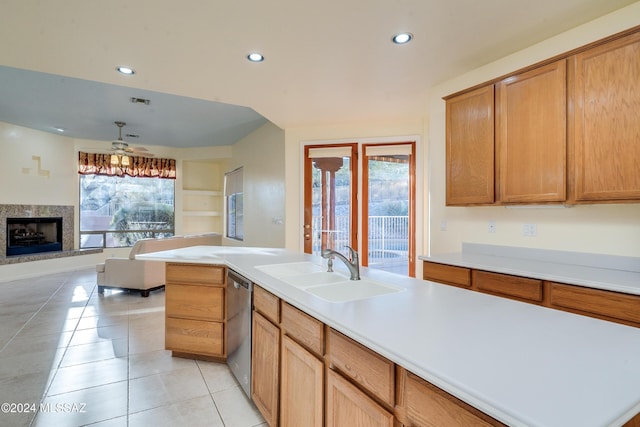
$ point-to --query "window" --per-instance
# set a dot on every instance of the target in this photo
(117, 211)
(234, 204)
(124, 199)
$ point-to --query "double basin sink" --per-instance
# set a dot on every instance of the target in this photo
(330, 286)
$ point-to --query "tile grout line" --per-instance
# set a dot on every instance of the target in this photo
(66, 347)
(32, 316)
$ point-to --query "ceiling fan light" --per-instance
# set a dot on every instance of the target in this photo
(125, 161)
(114, 160)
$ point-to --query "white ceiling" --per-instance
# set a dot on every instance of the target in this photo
(327, 62)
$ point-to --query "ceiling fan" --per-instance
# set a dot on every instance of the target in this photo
(121, 148)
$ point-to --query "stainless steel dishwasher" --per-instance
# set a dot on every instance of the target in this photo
(239, 300)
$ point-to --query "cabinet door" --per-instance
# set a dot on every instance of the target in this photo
(348, 406)
(531, 135)
(265, 368)
(605, 82)
(470, 148)
(425, 405)
(301, 386)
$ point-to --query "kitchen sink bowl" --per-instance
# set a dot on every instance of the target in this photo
(351, 290)
(302, 274)
(290, 269)
(314, 279)
(332, 287)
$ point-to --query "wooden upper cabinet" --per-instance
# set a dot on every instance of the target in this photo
(470, 147)
(531, 135)
(605, 127)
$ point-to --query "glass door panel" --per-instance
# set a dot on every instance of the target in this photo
(329, 198)
(388, 205)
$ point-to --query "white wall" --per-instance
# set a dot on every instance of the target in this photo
(57, 159)
(607, 229)
(261, 155)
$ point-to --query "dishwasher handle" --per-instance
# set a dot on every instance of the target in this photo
(238, 280)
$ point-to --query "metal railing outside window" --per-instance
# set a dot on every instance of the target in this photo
(388, 238)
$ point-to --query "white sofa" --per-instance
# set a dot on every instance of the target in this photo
(145, 276)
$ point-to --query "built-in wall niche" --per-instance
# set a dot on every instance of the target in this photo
(202, 190)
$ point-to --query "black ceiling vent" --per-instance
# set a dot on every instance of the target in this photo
(135, 100)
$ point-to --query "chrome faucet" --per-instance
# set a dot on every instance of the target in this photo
(352, 263)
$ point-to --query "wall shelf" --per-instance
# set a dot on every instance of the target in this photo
(202, 198)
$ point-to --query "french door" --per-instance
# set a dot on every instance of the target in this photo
(386, 209)
(330, 194)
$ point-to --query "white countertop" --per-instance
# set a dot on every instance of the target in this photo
(523, 364)
(620, 274)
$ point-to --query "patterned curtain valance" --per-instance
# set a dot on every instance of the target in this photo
(148, 167)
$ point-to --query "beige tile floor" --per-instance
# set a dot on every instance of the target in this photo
(87, 359)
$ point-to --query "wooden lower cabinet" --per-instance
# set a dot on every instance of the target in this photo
(447, 274)
(194, 337)
(364, 367)
(348, 406)
(307, 374)
(265, 368)
(606, 305)
(422, 404)
(195, 315)
(520, 288)
(301, 386)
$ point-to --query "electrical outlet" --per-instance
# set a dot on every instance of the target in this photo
(491, 227)
(443, 225)
(529, 230)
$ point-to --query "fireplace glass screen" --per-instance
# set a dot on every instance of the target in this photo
(33, 235)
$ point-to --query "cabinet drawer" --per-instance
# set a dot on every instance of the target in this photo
(615, 305)
(441, 273)
(195, 302)
(427, 405)
(267, 304)
(194, 273)
(303, 328)
(509, 286)
(372, 371)
(194, 336)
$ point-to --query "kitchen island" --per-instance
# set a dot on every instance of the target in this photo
(522, 364)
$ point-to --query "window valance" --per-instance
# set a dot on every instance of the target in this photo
(144, 167)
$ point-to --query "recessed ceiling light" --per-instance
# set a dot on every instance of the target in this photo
(126, 70)
(58, 129)
(255, 57)
(402, 38)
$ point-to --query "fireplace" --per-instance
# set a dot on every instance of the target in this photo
(33, 235)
